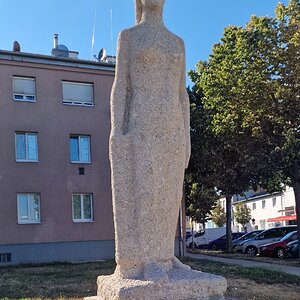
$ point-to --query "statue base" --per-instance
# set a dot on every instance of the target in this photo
(180, 285)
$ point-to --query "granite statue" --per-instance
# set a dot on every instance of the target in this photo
(149, 151)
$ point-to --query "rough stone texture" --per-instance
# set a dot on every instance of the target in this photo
(149, 151)
(179, 285)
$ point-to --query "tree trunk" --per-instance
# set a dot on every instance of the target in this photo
(193, 245)
(296, 187)
(228, 224)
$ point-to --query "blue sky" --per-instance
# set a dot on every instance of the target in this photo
(199, 22)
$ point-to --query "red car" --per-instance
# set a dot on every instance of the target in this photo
(277, 249)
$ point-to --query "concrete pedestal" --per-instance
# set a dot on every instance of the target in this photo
(180, 285)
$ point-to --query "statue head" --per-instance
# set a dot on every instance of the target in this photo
(146, 4)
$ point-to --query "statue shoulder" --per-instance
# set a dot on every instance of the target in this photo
(178, 40)
(127, 33)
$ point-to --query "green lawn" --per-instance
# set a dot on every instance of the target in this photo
(52, 281)
(75, 281)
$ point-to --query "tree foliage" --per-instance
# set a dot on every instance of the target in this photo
(200, 192)
(242, 214)
(218, 215)
(199, 201)
(250, 99)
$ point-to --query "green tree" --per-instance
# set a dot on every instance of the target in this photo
(218, 215)
(250, 88)
(242, 214)
(200, 192)
(199, 202)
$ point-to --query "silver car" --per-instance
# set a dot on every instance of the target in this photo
(268, 236)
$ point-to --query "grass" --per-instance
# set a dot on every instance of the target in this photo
(75, 281)
(59, 281)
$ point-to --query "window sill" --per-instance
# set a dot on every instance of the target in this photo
(27, 161)
(81, 162)
(78, 104)
(30, 101)
(29, 222)
(83, 221)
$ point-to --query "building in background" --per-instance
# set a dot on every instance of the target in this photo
(54, 167)
(267, 210)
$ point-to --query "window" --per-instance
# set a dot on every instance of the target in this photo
(262, 224)
(199, 233)
(24, 89)
(263, 204)
(29, 208)
(253, 206)
(26, 147)
(80, 148)
(82, 207)
(268, 234)
(5, 257)
(274, 202)
(75, 93)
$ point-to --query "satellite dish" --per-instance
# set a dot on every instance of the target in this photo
(16, 47)
(62, 48)
(102, 54)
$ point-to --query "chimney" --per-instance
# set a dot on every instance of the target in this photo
(16, 47)
(55, 40)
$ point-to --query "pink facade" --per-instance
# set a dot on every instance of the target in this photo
(54, 177)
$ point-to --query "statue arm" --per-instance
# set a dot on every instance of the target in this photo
(185, 103)
(120, 94)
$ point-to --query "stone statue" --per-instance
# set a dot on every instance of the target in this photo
(149, 144)
(149, 151)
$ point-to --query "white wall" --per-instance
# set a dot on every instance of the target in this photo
(271, 209)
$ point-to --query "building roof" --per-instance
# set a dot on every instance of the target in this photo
(56, 61)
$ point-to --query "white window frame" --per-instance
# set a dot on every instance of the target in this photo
(274, 199)
(79, 136)
(76, 102)
(26, 147)
(25, 97)
(254, 206)
(29, 207)
(263, 204)
(82, 219)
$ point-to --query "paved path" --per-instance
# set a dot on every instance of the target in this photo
(248, 263)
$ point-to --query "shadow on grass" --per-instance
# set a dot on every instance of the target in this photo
(59, 280)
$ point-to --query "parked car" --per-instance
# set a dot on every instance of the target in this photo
(188, 234)
(202, 237)
(292, 249)
(277, 249)
(268, 236)
(236, 244)
(220, 243)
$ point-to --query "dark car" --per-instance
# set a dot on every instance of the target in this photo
(250, 235)
(220, 243)
(292, 249)
(188, 234)
(277, 249)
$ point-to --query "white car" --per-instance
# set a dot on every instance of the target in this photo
(204, 236)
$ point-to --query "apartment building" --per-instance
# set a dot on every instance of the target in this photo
(55, 200)
(269, 211)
